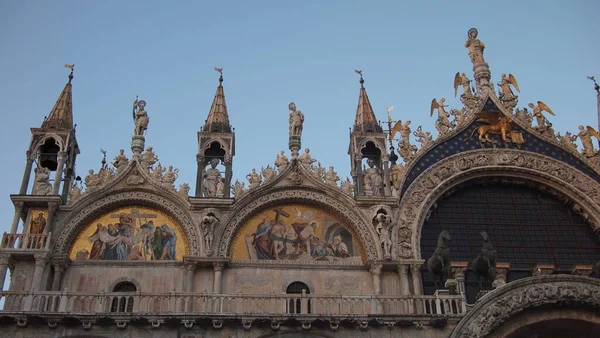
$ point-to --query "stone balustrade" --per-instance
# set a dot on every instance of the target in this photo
(25, 241)
(49, 302)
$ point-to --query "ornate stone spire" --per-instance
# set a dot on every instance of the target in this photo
(61, 116)
(365, 117)
(218, 119)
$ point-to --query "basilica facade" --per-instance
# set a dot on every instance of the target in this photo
(490, 227)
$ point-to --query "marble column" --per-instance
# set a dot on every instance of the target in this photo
(501, 272)
(190, 267)
(415, 270)
(16, 217)
(59, 264)
(59, 171)
(40, 263)
(52, 206)
(404, 283)
(375, 270)
(218, 267)
(386, 175)
(228, 175)
(459, 275)
(200, 175)
(26, 174)
(4, 260)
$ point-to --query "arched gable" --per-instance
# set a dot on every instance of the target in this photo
(444, 175)
(513, 298)
(334, 201)
(87, 210)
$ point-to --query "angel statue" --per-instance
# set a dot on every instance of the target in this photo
(140, 117)
(537, 113)
(406, 150)
(506, 92)
(585, 134)
(443, 123)
(475, 46)
(467, 98)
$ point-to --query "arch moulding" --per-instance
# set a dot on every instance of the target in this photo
(442, 176)
(337, 204)
(80, 216)
(507, 301)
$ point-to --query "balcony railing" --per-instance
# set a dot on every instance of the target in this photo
(49, 302)
(25, 241)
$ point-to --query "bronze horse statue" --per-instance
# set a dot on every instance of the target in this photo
(485, 263)
(439, 262)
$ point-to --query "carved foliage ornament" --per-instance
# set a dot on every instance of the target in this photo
(515, 297)
(421, 193)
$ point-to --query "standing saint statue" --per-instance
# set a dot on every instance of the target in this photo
(373, 179)
(140, 117)
(211, 176)
(475, 46)
(296, 120)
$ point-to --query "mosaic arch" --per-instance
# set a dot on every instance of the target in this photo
(296, 232)
(130, 233)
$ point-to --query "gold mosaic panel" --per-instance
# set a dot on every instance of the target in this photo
(131, 233)
(37, 221)
(299, 233)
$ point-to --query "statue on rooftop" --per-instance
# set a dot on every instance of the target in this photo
(296, 120)
(140, 117)
(475, 47)
(211, 176)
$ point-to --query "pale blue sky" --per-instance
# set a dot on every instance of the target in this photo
(273, 52)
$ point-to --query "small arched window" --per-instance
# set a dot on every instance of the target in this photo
(297, 299)
(123, 303)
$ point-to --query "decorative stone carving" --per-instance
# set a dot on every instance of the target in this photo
(423, 137)
(384, 225)
(373, 180)
(170, 177)
(295, 177)
(135, 178)
(156, 173)
(505, 94)
(305, 159)
(220, 187)
(331, 177)
(585, 135)
(268, 173)
(524, 116)
(397, 174)
(442, 123)
(184, 191)
(296, 120)
(568, 140)
(140, 118)
(254, 179)
(460, 117)
(208, 224)
(281, 162)
(319, 171)
(211, 176)
(467, 98)
(407, 150)
(347, 187)
(237, 189)
(148, 158)
(523, 294)
(92, 181)
(120, 160)
(42, 184)
(74, 194)
(438, 178)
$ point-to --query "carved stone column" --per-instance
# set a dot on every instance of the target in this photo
(199, 175)
(228, 175)
(189, 267)
(59, 263)
(458, 274)
(404, 283)
(386, 176)
(375, 270)
(40, 264)
(4, 260)
(52, 206)
(358, 178)
(501, 272)
(27, 173)
(415, 270)
(218, 267)
(16, 217)
(59, 171)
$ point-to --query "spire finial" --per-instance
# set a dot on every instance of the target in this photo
(71, 67)
(220, 70)
(362, 81)
(596, 87)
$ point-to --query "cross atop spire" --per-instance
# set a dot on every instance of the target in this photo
(61, 116)
(218, 119)
(365, 116)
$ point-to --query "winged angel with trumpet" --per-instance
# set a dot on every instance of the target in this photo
(505, 90)
(497, 124)
(537, 112)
